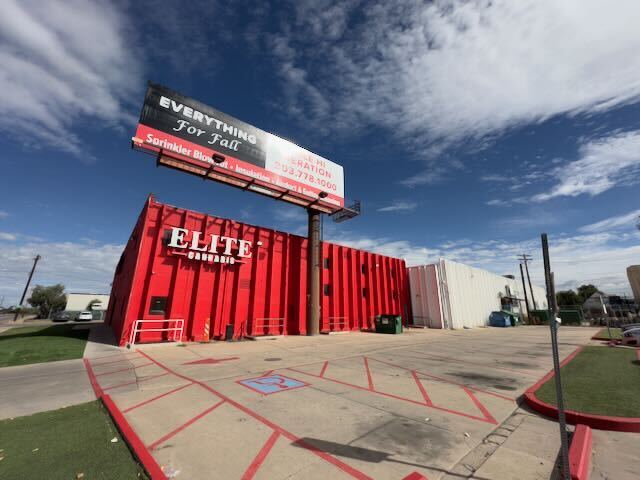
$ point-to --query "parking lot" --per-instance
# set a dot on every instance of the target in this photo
(358, 405)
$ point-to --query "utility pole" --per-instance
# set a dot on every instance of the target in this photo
(526, 297)
(524, 258)
(26, 287)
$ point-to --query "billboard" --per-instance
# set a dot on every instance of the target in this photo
(185, 128)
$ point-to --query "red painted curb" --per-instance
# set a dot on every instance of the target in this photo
(600, 422)
(580, 453)
(130, 436)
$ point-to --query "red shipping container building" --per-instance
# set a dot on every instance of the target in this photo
(214, 272)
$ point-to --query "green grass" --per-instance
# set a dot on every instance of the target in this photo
(69, 441)
(615, 334)
(599, 380)
(25, 345)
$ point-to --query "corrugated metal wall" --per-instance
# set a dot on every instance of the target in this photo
(425, 296)
(460, 295)
(265, 294)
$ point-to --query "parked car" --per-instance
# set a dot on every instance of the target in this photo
(84, 316)
(62, 317)
(631, 336)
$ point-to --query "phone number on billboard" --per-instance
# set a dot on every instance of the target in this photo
(307, 177)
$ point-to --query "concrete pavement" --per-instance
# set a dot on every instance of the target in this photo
(419, 405)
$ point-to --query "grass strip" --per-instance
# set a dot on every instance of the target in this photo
(69, 443)
(26, 345)
(600, 381)
(616, 334)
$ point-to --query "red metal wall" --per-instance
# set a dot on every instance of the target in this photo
(266, 294)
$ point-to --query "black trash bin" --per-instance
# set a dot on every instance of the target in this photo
(388, 324)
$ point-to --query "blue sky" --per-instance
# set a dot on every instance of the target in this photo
(465, 128)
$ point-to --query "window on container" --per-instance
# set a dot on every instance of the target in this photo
(327, 289)
(363, 267)
(364, 291)
(158, 306)
(326, 263)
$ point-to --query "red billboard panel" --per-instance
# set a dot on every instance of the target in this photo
(180, 126)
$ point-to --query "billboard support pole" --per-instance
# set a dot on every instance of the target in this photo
(26, 287)
(313, 273)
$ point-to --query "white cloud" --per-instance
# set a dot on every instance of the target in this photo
(626, 221)
(598, 258)
(10, 237)
(442, 71)
(63, 62)
(3, 214)
(81, 267)
(603, 164)
(399, 206)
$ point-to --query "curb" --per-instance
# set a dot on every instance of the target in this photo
(130, 436)
(580, 453)
(600, 422)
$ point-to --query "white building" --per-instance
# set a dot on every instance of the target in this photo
(78, 302)
(453, 295)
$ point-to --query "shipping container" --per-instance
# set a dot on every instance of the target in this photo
(220, 277)
(448, 294)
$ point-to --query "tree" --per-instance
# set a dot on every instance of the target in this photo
(93, 302)
(568, 298)
(48, 300)
(585, 291)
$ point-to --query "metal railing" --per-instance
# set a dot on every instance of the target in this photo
(277, 323)
(176, 330)
(341, 323)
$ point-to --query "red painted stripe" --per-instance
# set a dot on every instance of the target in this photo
(183, 426)
(130, 436)
(580, 453)
(120, 360)
(324, 369)
(366, 366)
(422, 389)
(262, 455)
(480, 406)
(157, 397)
(397, 397)
(415, 476)
(113, 355)
(123, 369)
(446, 380)
(92, 378)
(149, 463)
(285, 433)
(137, 380)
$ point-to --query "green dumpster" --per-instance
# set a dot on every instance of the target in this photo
(570, 316)
(539, 317)
(388, 324)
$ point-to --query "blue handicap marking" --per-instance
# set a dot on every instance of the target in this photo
(272, 384)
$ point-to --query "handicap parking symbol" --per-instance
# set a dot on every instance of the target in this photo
(272, 384)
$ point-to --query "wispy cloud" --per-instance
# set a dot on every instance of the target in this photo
(3, 214)
(63, 62)
(80, 266)
(603, 164)
(10, 237)
(391, 64)
(399, 206)
(626, 221)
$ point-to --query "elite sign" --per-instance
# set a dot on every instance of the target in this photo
(187, 128)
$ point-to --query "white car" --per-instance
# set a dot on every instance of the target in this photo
(83, 316)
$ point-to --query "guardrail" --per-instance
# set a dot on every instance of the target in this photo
(177, 329)
(277, 323)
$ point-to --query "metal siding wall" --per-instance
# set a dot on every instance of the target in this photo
(425, 295)
(270, 285)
